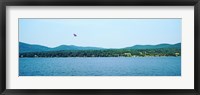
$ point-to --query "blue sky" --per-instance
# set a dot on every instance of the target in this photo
(106, 33)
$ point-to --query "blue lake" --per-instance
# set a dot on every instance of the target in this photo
(100, 66)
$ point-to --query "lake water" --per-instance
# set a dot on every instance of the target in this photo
(101, 66)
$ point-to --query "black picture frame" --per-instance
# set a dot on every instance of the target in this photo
(4, 3)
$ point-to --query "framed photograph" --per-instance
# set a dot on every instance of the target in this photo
(74, 47)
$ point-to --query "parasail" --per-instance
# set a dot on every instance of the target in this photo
(74, 35)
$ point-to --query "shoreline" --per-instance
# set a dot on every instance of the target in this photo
(104, 57)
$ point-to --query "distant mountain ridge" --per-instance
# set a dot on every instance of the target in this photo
(178, 45)
(24, 47)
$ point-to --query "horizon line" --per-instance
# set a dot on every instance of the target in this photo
(99, 47)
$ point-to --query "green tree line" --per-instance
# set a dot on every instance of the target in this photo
(106, 53)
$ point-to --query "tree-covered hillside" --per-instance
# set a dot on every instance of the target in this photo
(135, 51)
(105, 53)
(24, 47)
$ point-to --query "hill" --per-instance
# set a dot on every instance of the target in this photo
(24, 47)
(28, 50)
(178, 46)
